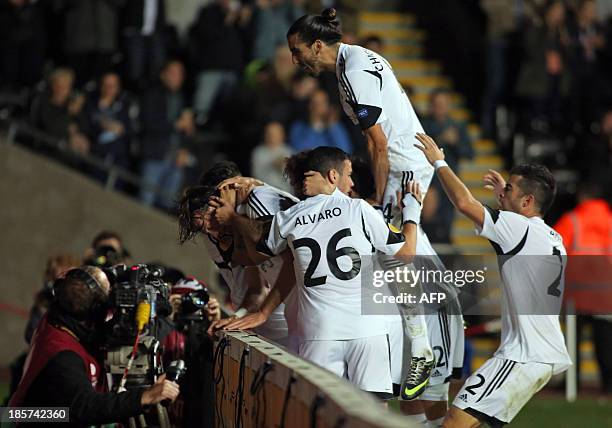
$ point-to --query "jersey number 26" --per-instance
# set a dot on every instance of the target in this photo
(332, 254)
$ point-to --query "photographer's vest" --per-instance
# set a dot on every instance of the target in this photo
(47, 342)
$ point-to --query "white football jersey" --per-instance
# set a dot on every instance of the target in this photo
(263, 202)
(532, 287)
(234, 275)
(328, 235)
(371, 94)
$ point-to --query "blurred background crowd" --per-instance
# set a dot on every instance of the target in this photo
(162, 89)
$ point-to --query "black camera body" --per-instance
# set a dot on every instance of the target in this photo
(138, 292)
(133, 286)
(192, 308)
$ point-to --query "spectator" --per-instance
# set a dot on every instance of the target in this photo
(167, 125)
(90, 35)
(217, 51)
(272, 20)
(543, 77)
(447, 132)
(501, 24)
(588, 85)
(321, 128)
(55, 111)
(143, 37)
(373, 43)
(303, 87)
(268, 159)
(22, 43)
(452, 136)
(595, 154)
(106, 121)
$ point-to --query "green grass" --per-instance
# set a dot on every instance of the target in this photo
(557, 413)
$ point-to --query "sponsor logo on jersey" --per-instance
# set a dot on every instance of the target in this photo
(463, 397)
(436, 373)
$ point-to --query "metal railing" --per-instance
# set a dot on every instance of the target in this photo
(19, 129)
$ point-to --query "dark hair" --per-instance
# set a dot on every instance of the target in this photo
(79, 293)
(363, 180)
(104, 235)
(219, 172)
(193, 199)
(538, 181)
(324, 159)
(294, 172)
(324, 27)
(372, 38)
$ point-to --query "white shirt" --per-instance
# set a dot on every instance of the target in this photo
(233, 275)
(149, 17)
(370, 94)
(328, 235)
(532, 287)
(265, 201)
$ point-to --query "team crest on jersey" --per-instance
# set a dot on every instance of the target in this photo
(362, 113)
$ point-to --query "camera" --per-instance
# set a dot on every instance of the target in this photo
(138, 296)
(194, 298)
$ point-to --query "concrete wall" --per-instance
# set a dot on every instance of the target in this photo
(48, 209)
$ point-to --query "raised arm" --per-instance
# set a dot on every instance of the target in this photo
(457, 192)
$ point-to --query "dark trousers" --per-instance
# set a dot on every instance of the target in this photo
(144, 58)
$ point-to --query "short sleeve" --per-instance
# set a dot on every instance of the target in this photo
(365, 93)
(274, 242)
(264, 202)
(383, 237)
(505, 229)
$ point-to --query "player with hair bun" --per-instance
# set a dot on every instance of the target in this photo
(373, 98)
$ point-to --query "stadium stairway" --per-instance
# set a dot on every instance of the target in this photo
(404, 48)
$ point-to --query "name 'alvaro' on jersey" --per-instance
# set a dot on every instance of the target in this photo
(371, 94)
(328, 235)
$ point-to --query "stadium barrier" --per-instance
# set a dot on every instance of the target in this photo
(259, 384)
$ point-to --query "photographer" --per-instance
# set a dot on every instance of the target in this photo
(62, 369)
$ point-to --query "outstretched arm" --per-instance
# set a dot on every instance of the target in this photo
(457, 192)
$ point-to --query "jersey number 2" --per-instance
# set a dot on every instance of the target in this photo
(553, 289)
(332, 255)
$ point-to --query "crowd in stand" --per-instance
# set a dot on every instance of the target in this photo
(551, 62)
(122, 81)
(117, 80)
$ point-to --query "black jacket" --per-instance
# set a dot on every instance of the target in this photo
(133, 15)
(156, 127)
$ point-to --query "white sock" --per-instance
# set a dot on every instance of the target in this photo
(416, 330)
(436, 423)
(418, 419)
